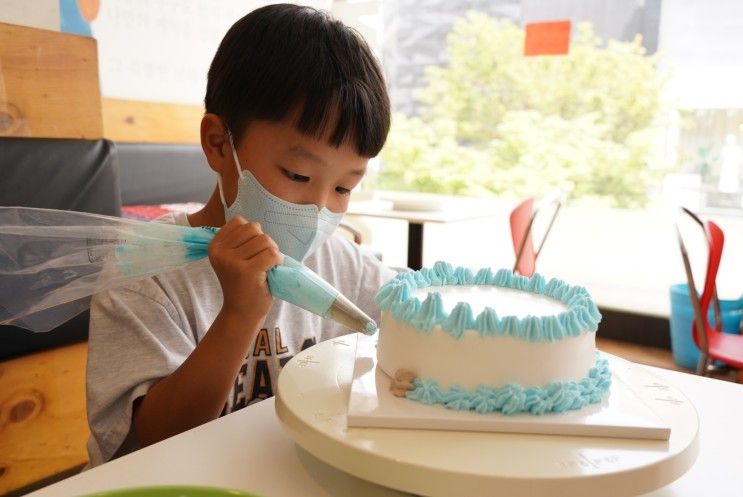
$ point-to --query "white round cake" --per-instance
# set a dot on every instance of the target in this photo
(490, 342)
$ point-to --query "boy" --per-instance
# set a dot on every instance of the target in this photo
(295, 106)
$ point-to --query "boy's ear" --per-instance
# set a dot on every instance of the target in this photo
(214, 143)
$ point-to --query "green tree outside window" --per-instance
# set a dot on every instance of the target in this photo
(496, 122)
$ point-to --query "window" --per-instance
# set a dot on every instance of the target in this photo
(644, 113)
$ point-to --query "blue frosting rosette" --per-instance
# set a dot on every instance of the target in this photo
(396, 297)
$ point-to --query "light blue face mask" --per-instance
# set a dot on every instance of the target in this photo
(296, 228)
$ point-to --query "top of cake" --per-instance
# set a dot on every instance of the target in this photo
(493, 304)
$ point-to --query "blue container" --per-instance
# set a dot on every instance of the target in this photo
(685, 351)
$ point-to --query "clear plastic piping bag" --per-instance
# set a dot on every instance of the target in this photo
(52, 261)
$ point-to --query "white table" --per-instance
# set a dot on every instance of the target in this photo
(418, 209)
(248, 450)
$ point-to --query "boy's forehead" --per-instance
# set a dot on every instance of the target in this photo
(291, 140)
(298, 150)
(286, 142)
(325, 155)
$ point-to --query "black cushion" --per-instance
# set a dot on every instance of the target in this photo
(153, 174)
(78, 175)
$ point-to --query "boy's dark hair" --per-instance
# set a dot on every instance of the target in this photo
(282, 57)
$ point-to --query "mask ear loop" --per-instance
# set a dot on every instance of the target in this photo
(237, 166)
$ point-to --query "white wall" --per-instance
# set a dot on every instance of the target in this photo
(160, 50)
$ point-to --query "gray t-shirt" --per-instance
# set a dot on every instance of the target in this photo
(142, 332)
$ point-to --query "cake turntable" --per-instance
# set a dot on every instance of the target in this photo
(312, 404)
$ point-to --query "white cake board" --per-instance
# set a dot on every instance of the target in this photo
(312, 402)
(621, 414)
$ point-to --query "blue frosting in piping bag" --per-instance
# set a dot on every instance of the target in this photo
(295, 283)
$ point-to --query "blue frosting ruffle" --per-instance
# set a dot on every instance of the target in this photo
(512, 399)
(396, 296)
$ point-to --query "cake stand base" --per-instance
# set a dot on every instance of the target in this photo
(312, 402)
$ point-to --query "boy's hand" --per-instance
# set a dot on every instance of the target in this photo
(241, 255)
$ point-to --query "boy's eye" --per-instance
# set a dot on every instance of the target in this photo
(342, 191)
(296, 177)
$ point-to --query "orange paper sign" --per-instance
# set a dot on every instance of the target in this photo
(547, 38)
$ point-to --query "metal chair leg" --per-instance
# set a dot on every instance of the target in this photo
(702, 365)
(705, 366)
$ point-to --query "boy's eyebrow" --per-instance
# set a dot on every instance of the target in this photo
(300, 151)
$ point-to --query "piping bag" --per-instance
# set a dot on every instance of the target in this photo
(296, 283)
(52, 262)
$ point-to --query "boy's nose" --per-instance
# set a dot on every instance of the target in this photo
(318, 197)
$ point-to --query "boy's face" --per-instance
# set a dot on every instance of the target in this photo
(295, 167)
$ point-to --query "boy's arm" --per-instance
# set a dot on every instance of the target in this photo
(195, 392)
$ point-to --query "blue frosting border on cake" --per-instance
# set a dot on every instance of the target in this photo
(512, 399)
(396, 297)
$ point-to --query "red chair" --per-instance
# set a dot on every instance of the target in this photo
(522, 221)
(714, 345)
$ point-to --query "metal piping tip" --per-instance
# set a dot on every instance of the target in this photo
(346, 313)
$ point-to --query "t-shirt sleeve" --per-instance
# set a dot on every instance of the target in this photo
(136, 338)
